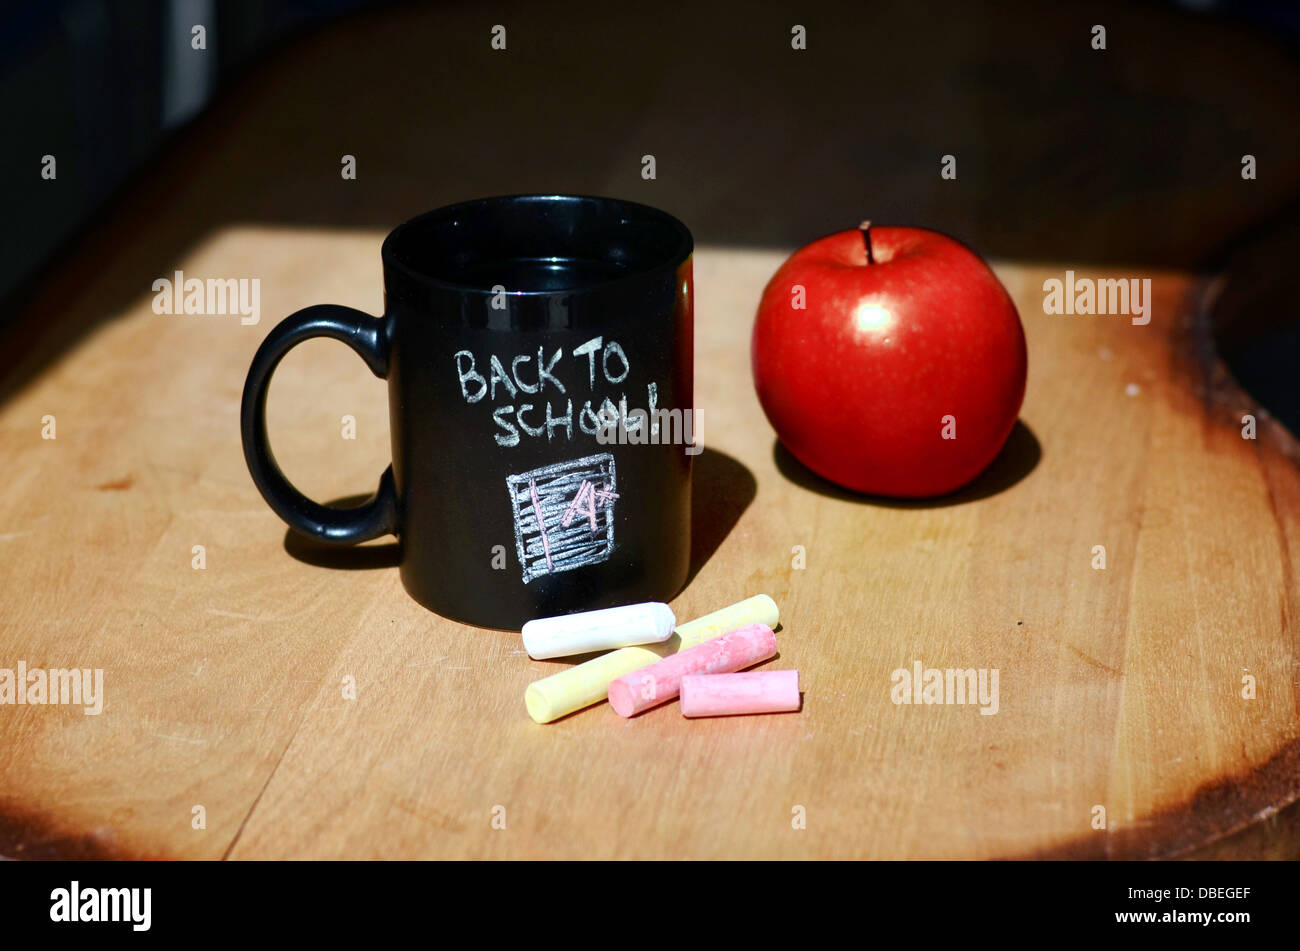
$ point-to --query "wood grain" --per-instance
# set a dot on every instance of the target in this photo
(1119, 687)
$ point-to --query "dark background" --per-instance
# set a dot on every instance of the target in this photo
(1130, 156)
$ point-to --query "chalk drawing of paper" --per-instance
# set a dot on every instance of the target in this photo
(564, 514)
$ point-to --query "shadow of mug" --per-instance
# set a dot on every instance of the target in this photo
(723, 490)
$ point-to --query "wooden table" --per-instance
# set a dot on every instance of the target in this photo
(1120, 688)
(224, 685)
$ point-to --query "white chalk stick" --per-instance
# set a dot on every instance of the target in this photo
(626, 626)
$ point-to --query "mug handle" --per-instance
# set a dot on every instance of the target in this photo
(364, 334)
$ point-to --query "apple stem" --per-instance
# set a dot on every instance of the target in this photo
(865, 228)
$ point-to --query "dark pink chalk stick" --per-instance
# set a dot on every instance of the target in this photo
(660, 682)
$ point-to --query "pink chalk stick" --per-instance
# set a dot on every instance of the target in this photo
(722, 695)
(658, 683)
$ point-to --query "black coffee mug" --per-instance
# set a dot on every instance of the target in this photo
(536, 348)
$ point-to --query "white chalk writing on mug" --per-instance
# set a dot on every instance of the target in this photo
(564, 514)
(544, 395)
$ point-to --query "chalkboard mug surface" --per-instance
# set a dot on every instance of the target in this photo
(539, 357)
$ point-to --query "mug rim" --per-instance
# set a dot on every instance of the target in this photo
(683, 249)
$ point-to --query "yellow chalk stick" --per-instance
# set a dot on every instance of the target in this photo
(584, 684)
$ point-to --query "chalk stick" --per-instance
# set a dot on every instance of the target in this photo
(642, 689)
(584, 684)
(626, 626)
(724, 695)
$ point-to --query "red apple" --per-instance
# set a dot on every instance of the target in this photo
(889, 360)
